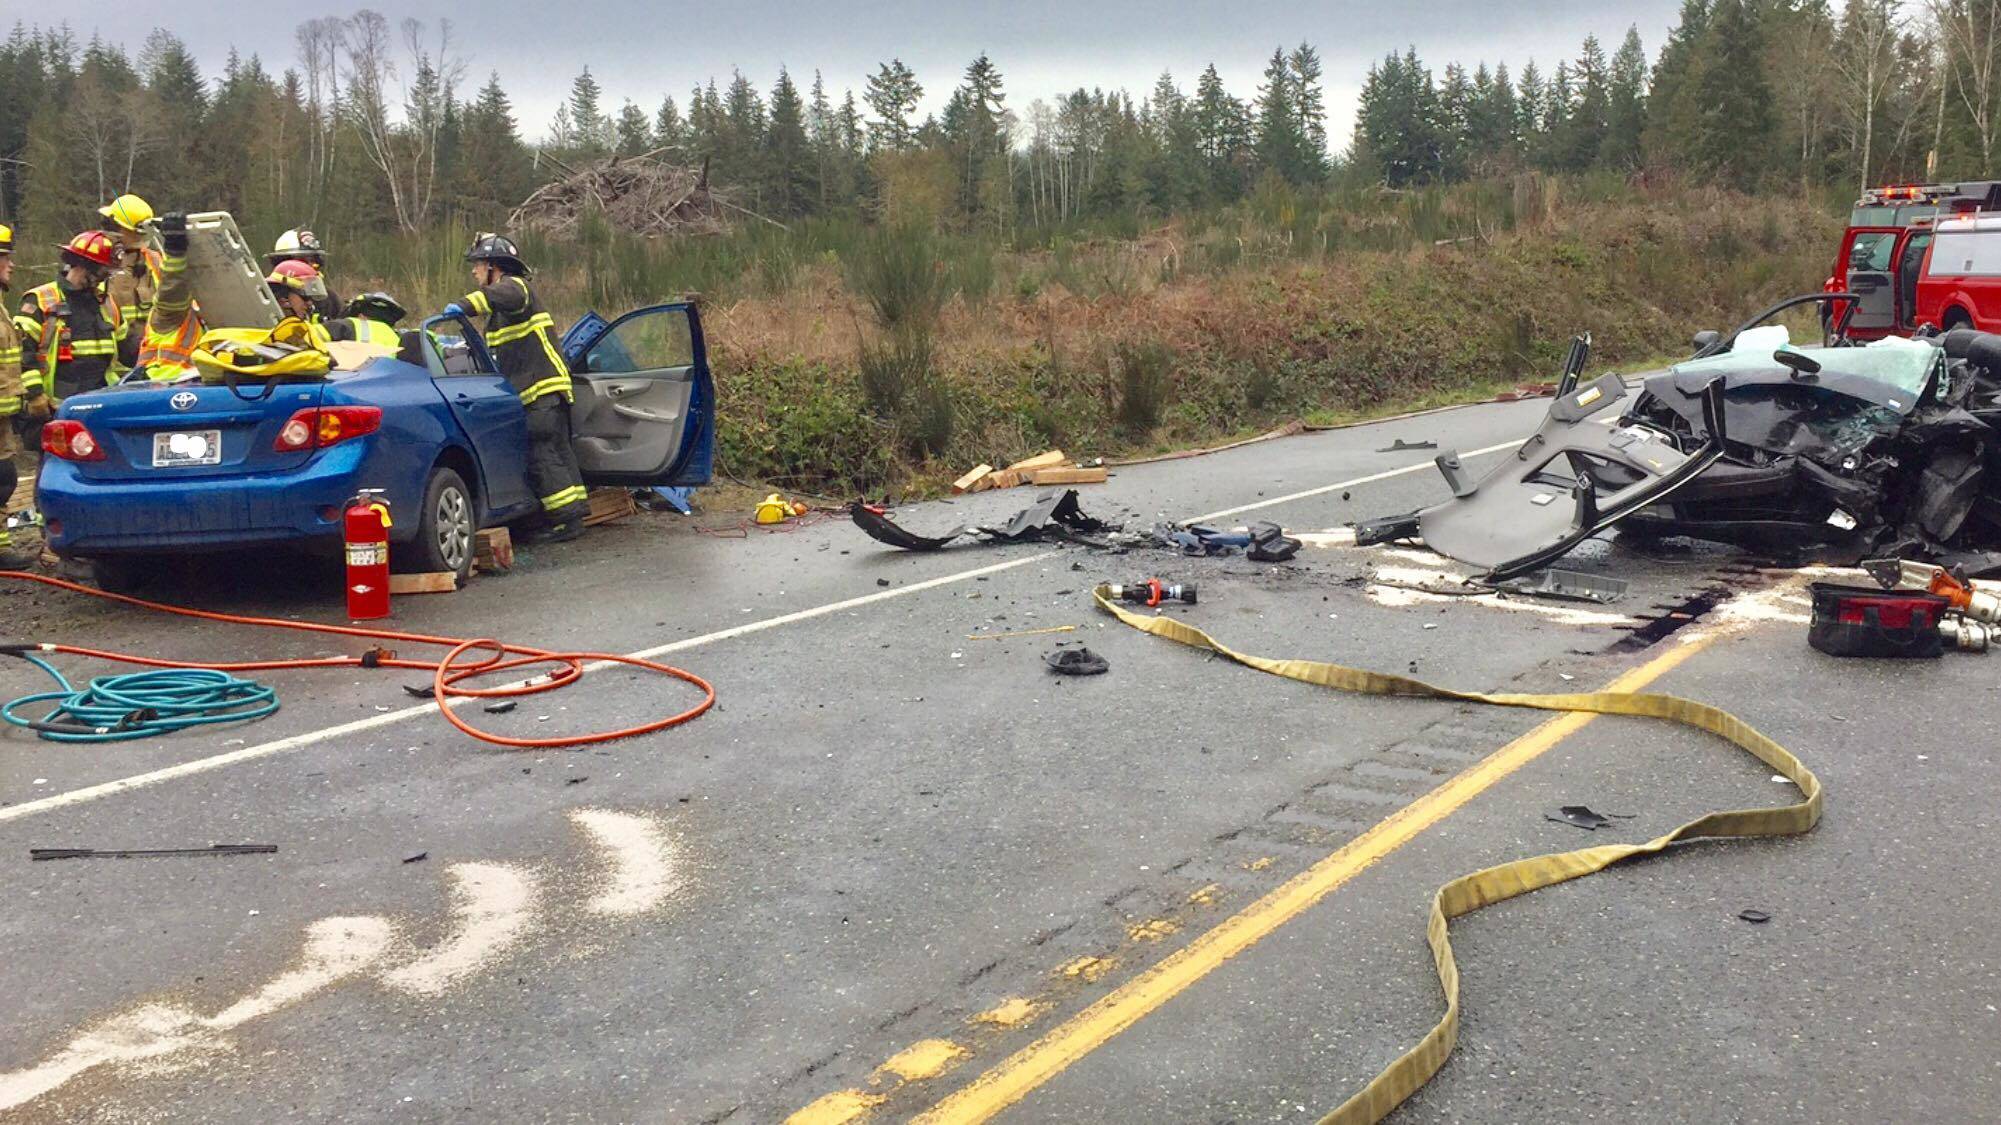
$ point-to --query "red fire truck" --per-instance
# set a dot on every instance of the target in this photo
(1885, 249)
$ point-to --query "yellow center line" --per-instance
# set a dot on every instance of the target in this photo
(1019, 1074)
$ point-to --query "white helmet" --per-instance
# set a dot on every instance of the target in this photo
(300, 244)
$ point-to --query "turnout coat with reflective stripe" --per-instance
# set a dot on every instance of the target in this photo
(522, 338)
(76, 342)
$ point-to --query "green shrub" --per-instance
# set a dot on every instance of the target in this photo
(1144, 370)
(895, 271)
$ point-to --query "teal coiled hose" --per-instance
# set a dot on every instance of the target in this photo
(139, 704)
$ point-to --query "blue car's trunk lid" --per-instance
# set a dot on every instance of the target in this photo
(187, 430)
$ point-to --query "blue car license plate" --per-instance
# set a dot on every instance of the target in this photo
(198, 447)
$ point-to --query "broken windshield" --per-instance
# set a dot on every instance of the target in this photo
(1904, 366)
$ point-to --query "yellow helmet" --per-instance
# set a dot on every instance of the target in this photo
(6, 239)
(128, 211)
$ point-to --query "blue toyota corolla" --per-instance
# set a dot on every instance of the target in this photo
(138, 471)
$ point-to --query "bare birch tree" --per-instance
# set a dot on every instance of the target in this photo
(1970, 35)
(1866, 56)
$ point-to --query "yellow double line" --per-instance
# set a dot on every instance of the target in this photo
(1034, 1065)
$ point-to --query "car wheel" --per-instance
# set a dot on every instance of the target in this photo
(118, 575)
(445, 534)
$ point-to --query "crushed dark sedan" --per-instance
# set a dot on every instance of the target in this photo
(1888, 449)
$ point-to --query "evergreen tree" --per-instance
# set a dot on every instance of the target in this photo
(668, 129)
(1553, 121)
(174, 110)
(977, 133)
(1280, 144)
(633, 131)
(1222, 128)
(792, 174)
(589, 130)
(705, 120)
(1589, 116)
(1529, 97)
(892, 95)
(1493, 134)
(740, 137)
(1177, 175)
(1455, 123)
(1626, 106)
(1311, 108)
(1398, 124)
(1734, 142)
(491, 172)
(1675, 116)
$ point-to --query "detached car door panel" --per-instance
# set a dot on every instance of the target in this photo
(644, 411)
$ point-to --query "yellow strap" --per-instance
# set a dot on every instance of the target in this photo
(1468, 893)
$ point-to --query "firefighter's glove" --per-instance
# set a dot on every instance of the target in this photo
(37, 407)
(174, 233)
(455, 309)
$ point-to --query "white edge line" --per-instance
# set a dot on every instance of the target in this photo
(1384, 475)
(280, 746)
(267, 749)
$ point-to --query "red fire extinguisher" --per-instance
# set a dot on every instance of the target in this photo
(366, 527)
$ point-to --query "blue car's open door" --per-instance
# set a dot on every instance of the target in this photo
(645, 409)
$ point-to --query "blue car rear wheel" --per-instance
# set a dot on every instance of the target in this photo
(445, 535)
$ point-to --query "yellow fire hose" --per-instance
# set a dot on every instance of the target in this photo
(1468, 893)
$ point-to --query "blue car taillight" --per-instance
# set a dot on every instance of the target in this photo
(319, 427)
(68, 439)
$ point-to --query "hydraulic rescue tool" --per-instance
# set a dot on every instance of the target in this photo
(1151, 592)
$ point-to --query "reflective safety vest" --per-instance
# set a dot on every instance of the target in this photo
(522, 339)
(173, 327)
(67, 361)
(363, 330)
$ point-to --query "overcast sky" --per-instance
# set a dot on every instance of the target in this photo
(644, 51)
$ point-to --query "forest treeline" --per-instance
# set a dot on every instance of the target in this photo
(375, 127)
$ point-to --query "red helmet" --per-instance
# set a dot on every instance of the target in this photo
(298, 277)
(92, 247)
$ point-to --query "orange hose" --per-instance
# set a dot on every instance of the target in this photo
(446, 674)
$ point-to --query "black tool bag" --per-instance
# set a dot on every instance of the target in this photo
(1866, 621)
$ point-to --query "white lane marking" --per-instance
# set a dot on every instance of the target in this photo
(1401, 595)
(641, 856)
(1326, 488)
(310, 738)
(335, 948)
(299, 741)
(1332, 537)
(493, 905)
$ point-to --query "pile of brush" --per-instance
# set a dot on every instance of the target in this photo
(637, 195)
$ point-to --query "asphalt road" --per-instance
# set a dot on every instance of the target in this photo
(893, 858)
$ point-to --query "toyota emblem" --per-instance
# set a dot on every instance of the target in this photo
(185, 400)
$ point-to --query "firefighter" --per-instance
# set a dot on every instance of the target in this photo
(77, 336)
(298, 288)
(302, 245)
(379, 307)
(521, 336)
(11, 394)
(173, 327)
(136, 279)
